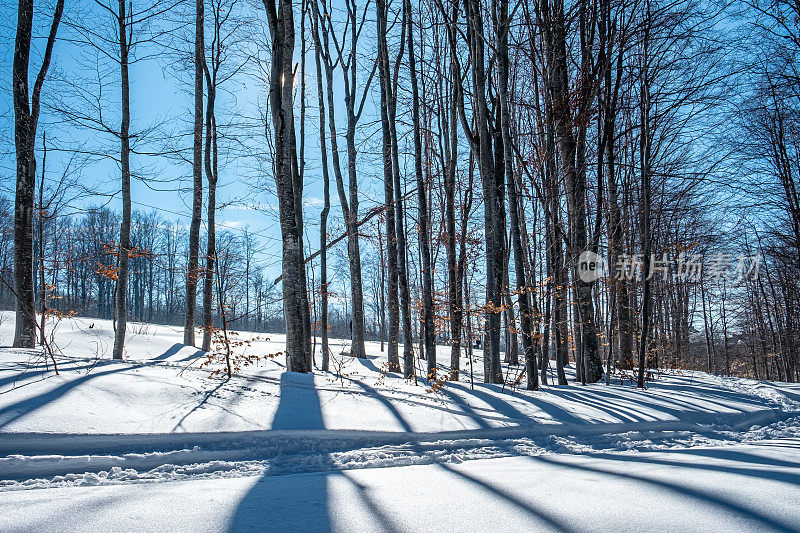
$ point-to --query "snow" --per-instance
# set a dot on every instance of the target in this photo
(154, 442)
(752, 487)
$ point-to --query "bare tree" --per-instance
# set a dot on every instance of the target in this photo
(386, 89)
(295, 298)
(192, 272)
(26, 120)
(422, 199)
(347, 59)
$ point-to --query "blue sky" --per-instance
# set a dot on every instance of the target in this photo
(161, 93)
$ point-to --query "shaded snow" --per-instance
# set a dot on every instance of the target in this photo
(734, 488)
(103, 435)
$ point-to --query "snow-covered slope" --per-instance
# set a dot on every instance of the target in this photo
(159, 416)
(161, 388)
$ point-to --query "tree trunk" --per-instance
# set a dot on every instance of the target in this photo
(121, 291)
(42, 285)
(513, 202)
(454, 266)
(323, 217)
(193, 273)
(574, 179)
(211, 229)
(409, 368)
(493, 202)
(644, 148)
(388, 189)
(422, 198)
(295, 299)
(26, 117)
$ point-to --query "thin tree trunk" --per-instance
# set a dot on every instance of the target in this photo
(323, 217)
(454, 260)
(424, 244)
(193, 274)
(211, 225)
(554, 36)
(121, 291)
(42, 285)
(493, 202)
(644, 146)
(513, 202)
(388, 188)
(409, 368)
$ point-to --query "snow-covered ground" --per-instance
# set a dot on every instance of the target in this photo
(155, 443)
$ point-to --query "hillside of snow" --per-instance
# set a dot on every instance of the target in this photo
(104, 437)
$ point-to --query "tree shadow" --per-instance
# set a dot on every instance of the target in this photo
(721, 397)
(497, 404)
(739, 456)
(201, 403)
(743, 459)
(689, 410)
(27, 373)
(302, 502)
(618, 411)
(466, 408)
(542, 518)
(554, 411)
(386, 403)
(172, 350)
(368, 364)
(196, 355)
(17, 410)
(722, 503)
(386, 523)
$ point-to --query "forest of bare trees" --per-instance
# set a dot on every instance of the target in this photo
(607, 185)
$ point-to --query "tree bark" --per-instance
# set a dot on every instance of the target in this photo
(554, 35)
(409, 368)
(422, 199)
(211, 229)
(323, 217)
(385, 77)
(193, 274)
(298, 340)
(493, 202)
(121, 290)
(26, 118)
(454, 266)
(503, 29)
(644, 154)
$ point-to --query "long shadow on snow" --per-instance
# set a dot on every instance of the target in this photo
(715, 500)
(551, 521)
(503, 407)
(385, 401)
(25, 407)
(172, 350)
(203, 401)
(735, 455)
(302, 505)
(368, 364)
(744, 463)
(27, 373)
(721, 396)
(195, 355)
(687, 411)
(619, 412)
(302, 501)
(720, 502)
